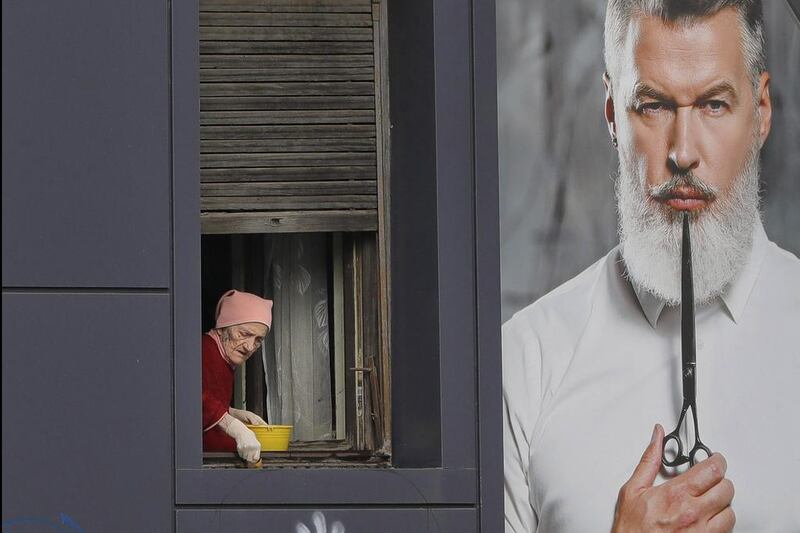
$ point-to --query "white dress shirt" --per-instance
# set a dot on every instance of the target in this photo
(589, 369)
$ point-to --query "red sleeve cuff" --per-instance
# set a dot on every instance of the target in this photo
(213, 411)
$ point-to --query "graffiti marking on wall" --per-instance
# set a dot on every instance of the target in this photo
(319, 522)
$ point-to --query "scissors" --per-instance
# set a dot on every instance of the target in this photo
(688, 363)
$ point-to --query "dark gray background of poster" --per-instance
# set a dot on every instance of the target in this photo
(557, 210)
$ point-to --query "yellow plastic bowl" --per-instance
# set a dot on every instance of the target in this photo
(273, 438)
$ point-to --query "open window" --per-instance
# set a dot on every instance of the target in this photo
(294, 207)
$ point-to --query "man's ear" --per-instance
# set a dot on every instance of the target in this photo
(764, 108)
(608, 109)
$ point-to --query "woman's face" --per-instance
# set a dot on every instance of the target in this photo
(242, 340)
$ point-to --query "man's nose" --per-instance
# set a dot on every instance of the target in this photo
(683, 155)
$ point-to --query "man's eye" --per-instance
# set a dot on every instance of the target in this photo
(651, 108)
(715, 106)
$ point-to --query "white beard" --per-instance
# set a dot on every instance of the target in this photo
(722, 234)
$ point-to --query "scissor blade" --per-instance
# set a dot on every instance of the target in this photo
(687, 298)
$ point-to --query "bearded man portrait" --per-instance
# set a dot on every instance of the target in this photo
(592, 370)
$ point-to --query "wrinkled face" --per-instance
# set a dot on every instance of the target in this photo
(683, 106)
(690, 127)
(242, 340)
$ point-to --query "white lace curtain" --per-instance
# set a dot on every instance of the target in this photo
(297, 365)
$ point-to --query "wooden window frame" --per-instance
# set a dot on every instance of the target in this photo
(366, 438)
(375, 406)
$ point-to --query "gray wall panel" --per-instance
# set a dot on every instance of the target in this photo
(416, 414)
(456, 229)
(325, 486)
(352, 520)
(186, 229)
(487, 266)
(85, 144)
(87, 423)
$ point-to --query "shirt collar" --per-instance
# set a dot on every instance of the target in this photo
(735, 296)
(651, 304)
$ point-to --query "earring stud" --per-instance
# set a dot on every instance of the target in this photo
(614, 141)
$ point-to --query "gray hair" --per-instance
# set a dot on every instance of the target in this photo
(686, 12)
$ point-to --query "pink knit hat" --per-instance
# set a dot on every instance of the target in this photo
(239, 307)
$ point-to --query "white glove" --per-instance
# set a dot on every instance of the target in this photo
(247, 445)
(247, 417)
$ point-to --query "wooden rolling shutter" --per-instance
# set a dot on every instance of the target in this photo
(287, 115)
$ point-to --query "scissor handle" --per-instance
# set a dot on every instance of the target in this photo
(698, 444)
(698, 447)
(679, 458)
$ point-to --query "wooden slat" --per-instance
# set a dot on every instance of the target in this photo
(287, 6)
(286, 188)
(338, 116)
(232, 175)
(286, 160)
(287, 145)
(286, 74)
(383, 236)
(289, 222)
(283, 33)
(352, 20)
(287, 116)
(295, 131)
(283, 203)
(286, 60)
(287, 103)
(292, 47)
(355, 88)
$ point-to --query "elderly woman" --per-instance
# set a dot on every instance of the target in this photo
(243, 320)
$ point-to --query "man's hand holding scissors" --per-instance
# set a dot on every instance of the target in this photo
(698, 500)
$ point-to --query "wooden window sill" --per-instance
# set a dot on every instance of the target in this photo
(335, 454)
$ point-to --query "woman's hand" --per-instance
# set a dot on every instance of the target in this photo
(247, 445)
(247, 417)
